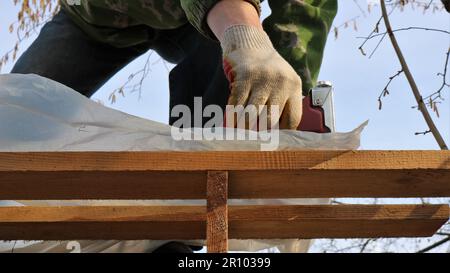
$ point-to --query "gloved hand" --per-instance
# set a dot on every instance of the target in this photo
(259, 76)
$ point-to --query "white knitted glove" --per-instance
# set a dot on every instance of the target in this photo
(260, 76)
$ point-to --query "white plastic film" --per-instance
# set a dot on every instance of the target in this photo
(38, 114)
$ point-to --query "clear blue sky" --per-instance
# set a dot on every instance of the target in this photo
(357, 79)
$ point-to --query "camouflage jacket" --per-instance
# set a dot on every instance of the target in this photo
(298, 28)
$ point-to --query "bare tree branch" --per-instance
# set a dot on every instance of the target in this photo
(436, 97)
(374, 35)
(422, 107)
(433, 246)
(385, 91)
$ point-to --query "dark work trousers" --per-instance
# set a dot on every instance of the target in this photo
(64, 53)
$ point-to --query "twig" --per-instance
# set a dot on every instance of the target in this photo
(433, 97)
(385, 91)
(438, 243)
(366, 243)
(375, 30)
(377, 46)
(429, 4)
(422, 107)
(337, 202)
(423, 133)
(359, 7)
(404, 29)
(131, 87)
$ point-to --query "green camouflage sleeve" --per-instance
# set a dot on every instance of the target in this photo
(196, 12)
(299, 30)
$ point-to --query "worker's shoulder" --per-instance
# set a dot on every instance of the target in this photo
(122, 14)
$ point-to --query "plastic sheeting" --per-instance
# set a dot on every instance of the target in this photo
(38, 114)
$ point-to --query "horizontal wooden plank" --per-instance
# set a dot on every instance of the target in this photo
(85, 185)
(245, 222)
(29, 214)
(63, 185)
(96, 223)
(339, 183)
(229, 161)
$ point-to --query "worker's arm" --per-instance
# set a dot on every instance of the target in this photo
(258, 75)
(299, 31)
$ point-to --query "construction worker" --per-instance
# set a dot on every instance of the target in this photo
(222, 51)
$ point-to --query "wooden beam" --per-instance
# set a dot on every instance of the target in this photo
(182, 175)
(98, 222)
(85, 185)
(129, 185)
(245, 222)
(337, 221)
(217, 212)
(339, 183)
(230, 161)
